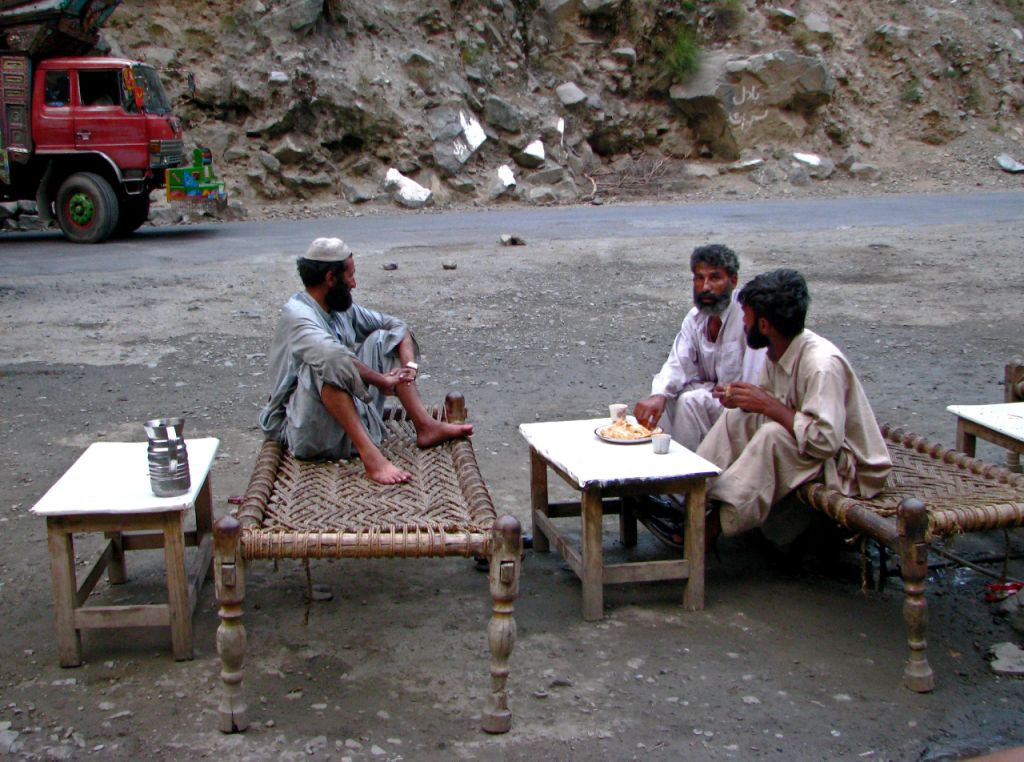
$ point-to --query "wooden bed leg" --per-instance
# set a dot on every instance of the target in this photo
(913, 523)
(229, 574)
(455, 407)
(501, 632)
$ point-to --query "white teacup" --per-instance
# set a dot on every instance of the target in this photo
(660, 443)
(617, 411)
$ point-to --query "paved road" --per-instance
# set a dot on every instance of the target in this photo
(49, 254)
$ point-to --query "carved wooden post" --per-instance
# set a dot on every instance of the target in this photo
(229, 574)
(913, 524)
(455, 407)
(506, 558)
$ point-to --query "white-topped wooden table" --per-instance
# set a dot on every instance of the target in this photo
(600, 470)
(1001, 424)
(107, 490)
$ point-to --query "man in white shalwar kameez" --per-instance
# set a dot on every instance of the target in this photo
(709, 349)
(333, 363)
(808, 419)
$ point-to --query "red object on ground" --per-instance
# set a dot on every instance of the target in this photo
(1000, 591)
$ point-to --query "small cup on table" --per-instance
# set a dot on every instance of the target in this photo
(660, 443)
(617, 411)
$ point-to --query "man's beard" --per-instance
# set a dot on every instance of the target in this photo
(711, 304)
(338, 298)
(756, 339)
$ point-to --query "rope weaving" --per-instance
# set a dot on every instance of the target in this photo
(309, 509)
(961, 494)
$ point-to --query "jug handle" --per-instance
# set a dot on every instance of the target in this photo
(172, 438)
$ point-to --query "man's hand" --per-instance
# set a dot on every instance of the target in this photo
(388, 382)
(649, 411)
(745, 396)
(753, 399)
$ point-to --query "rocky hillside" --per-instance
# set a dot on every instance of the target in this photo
(460, 101)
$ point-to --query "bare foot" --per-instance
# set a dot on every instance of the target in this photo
(439, 432)
(386, 472)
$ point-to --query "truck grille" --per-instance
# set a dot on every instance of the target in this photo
(171, 154)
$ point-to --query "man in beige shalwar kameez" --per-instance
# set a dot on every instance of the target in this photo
(808, 419)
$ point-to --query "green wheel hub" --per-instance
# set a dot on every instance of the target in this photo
(81, 208)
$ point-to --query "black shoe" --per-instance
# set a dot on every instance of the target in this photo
(663, 518)
(661, 506)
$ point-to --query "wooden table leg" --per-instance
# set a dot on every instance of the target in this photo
(627, 522)
(177, 585)
(593, 560)
(204, 520)
(538, 498)
(693, 587)
(965, 442)
(117, 573)
(62, 573)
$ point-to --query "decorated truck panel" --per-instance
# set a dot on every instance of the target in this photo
(88, 137)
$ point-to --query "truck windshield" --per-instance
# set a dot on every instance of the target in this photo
(154, 98)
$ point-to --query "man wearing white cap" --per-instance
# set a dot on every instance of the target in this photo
(333, 363)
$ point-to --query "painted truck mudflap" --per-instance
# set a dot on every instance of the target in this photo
(196, 186)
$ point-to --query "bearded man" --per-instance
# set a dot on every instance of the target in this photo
(808, 419)
(333, 363)
(710, 349)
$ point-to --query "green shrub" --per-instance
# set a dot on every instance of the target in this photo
(973, 99)
(803, 39)
(875, 42)
(472, 51)
(681, 56)
(157, 32)
(911, 93)
(199, 38)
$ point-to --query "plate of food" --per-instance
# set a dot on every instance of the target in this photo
(624, 431)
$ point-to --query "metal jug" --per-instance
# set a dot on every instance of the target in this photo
(168, 458)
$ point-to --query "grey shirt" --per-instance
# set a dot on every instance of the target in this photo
(310, 348)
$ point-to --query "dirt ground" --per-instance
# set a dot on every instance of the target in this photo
(790, 660)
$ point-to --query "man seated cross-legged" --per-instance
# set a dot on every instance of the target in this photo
(808, 419)
(334, 362)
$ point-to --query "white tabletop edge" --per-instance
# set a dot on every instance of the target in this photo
(573, 447)
(99, 481)
(1007, 418)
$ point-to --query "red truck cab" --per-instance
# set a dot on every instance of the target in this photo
(101, 136)
(91, 104)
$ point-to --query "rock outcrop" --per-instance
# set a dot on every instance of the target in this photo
(312, 99)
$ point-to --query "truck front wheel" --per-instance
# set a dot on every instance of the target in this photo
(87, 208)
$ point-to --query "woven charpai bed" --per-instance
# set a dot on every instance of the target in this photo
(932, 493)
(303, 509)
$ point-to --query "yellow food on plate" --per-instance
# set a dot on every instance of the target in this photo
(623, 429)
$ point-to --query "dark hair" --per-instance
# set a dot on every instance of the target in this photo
(313, 272)
(716, 255)
(781, 297)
